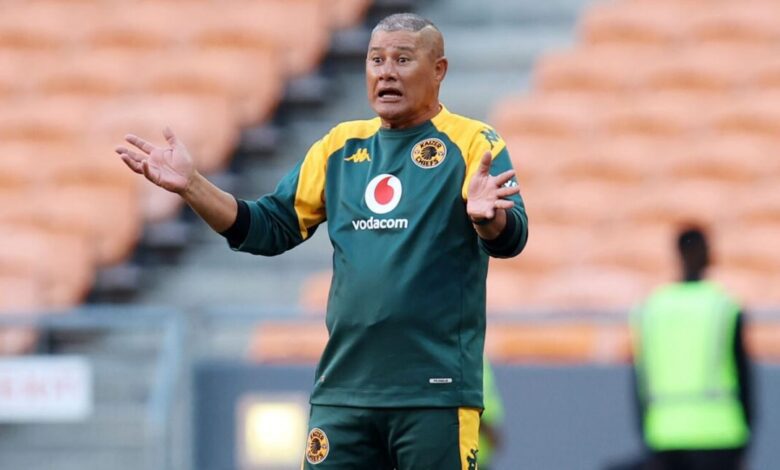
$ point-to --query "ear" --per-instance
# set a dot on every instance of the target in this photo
(440, 68)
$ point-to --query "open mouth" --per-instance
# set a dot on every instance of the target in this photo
(389, 93)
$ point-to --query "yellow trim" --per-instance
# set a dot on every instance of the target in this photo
(310, 193)
(468, 437)
(465, 133)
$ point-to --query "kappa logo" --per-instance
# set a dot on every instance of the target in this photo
(429, 153)
(359, 157)
(317, 446)
(491, 136)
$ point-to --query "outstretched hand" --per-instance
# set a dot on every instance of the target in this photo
(168, 167)
(487, 193)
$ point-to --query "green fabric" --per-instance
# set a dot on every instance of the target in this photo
(686, 368)
(388, 438)
(406, 310)
(492, 416)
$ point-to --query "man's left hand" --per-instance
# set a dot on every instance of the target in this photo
(486, 193)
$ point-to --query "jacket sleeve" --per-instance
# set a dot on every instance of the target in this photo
(291, 214)
(515, 235)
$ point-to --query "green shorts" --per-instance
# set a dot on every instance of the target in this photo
(346, 438)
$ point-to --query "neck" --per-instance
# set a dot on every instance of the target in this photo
(425, 115)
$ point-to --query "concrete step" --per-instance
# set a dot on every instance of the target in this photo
(499, 12)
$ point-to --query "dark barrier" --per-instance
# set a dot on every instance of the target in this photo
(557, 418)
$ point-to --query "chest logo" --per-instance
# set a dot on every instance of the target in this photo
(429, 153)
(317, 446)
(359, 157)
(383, 193)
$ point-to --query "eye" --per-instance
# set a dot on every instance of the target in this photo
(376, 60)
(403, 60)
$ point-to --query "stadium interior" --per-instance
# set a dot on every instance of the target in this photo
(624, 120)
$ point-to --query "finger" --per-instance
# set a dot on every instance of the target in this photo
(133, 155)
(170, 137)
(484, 163)
(132, 164)
(149, 173)
(143, 145)
(506, 192)
(504, 204)
(504, 177)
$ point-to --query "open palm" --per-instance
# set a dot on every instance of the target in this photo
(487, 193)
(168, 167)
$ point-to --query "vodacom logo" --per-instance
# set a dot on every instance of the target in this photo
(383, 193)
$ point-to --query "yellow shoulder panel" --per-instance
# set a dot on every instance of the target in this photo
(310, 193)
(473, 139)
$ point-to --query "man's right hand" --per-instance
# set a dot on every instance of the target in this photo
(168, 167)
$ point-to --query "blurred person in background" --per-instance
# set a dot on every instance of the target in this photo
(692, 372)
(416, 201)
(492, 419)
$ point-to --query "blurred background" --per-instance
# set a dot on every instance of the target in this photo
(132, 337)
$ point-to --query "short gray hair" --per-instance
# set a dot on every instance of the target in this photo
(414, 23)
(404, 22)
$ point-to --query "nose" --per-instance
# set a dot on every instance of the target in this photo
(387, 71)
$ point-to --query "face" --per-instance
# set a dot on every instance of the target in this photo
(403, 77)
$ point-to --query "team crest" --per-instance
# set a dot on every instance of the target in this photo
(429, 153)
(317, 446)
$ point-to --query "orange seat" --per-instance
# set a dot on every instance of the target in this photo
(207, 125)
(635, 23)
(288, 342)
(754, 114)
(554, 115)
(314, 293)
(238, 28)
(346, 13)
(738, 22)
(18, 295)
(566, 343)
(253, 83)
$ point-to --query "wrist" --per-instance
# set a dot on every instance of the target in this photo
(481, 221)
(190, 188)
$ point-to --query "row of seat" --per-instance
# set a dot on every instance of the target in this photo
(667, 115)
(76, 76)
(666, 112)
(564, 342)
(674, 22)
(718, 68)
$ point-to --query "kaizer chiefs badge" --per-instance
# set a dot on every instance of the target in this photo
(317, 446)
(429, 153)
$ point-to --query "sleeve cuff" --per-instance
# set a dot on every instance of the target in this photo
(238, 232)
(505, 244)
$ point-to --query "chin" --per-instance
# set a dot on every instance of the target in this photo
(390, 111)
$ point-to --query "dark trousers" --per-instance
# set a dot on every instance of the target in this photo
(720, 459)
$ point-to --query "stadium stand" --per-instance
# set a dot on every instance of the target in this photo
(664, 112)
(76, 76)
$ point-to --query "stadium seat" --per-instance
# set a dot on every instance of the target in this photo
(271, 342)
(737, 22)
(347, 13)
(237, 29)
(625, 22)
(18, 296)
(552, 115)
(253, 83)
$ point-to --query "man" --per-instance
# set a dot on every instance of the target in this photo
(692, 372)
(415, 203)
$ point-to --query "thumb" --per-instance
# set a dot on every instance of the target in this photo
(169, 135)
(484, 164)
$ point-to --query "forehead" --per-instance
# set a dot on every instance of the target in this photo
(383, 40)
